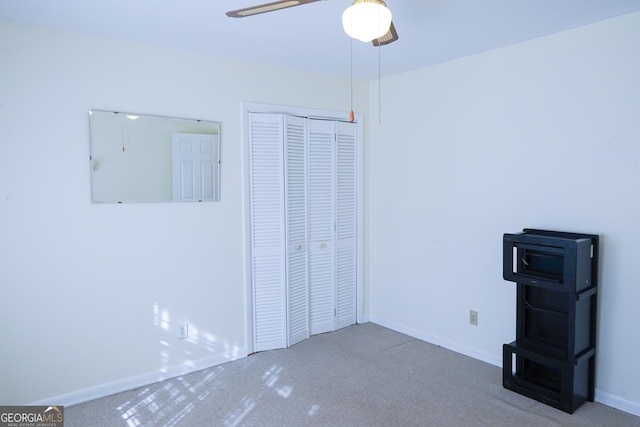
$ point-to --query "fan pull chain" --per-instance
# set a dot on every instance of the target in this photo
(125, 132)
(351, 115)
(379, 85)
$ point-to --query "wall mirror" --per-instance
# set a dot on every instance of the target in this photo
(140, 158)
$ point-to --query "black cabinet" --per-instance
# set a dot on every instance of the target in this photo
(552, 359)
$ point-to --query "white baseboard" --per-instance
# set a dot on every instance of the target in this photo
(442, 342)
(364, 318)
(124, 384)
(617, 402)
(600, 396)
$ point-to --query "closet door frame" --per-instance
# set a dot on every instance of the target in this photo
(251, 107)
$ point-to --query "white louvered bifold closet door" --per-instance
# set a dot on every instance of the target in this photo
(346, 223)
(296, 207)
(266, 193)
(303, 218)
(321, 143)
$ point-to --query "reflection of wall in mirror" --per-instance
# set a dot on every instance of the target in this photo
(132, 155)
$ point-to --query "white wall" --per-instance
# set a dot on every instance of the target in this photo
(542, 134)
(92, 294)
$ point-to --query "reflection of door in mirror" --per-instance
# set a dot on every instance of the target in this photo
(195, 167)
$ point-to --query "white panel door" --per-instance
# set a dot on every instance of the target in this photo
(266, 195)
(296, 229)
(195, 159)
(321, 142)
(346, 223)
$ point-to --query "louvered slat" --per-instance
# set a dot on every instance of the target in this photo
(321, 225)
(346, 198)
(296, 211)
(267, 231)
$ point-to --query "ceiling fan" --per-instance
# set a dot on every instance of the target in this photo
(389, 36)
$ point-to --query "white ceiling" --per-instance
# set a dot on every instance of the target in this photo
(310, 37)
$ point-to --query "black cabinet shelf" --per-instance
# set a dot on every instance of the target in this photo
(550, 260)
(559, 383)
(552, 359)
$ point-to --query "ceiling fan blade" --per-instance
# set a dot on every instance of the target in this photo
(390, 37)
(267, 7)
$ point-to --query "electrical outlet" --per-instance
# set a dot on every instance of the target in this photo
(473, 317)
(183, 331)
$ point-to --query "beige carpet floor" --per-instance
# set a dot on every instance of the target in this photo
(363, 375)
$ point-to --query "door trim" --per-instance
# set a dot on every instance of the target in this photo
(313, 113)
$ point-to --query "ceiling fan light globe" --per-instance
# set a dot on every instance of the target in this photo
(366, 20)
